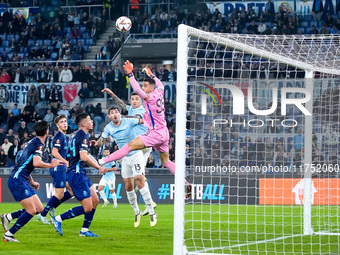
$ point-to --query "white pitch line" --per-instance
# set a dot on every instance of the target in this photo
(247, 244)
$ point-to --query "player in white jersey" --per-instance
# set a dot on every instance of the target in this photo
(135, 110)
(133, 167)
(108, 179)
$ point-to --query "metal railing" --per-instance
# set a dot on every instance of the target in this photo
(152, 37)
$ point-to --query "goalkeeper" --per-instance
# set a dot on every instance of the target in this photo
(154, 119)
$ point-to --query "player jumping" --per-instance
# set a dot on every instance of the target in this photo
(133, 167)
(78, 180)
(58, 174)
(22, 185)
(154, 118)
(135, 110)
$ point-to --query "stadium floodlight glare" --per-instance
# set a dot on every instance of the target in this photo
(262, 116)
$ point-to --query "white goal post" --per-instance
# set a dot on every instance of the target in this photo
(246, 210)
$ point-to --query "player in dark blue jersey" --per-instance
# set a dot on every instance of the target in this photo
(22, 185)
(59, 151)
(76, 176)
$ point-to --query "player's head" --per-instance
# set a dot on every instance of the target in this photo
(136, 101)
(114, 114)
(106, 151)
(41, 128)
(83, 120)
(61, 122)
(148, 85)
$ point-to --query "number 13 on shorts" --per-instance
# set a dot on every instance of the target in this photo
(137, 168)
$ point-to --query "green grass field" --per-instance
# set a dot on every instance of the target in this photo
(238, 229)
(114, 226)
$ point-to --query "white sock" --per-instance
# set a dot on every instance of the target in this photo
(9, 216)
(146, 185)
(102, 193)
(131, 195)
(84, 230)
(58, 218)
(114, 198)
(145, 192)
(8, 233)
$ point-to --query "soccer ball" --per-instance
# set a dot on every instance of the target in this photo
(123, 24)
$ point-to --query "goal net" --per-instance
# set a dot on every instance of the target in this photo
(257, 133)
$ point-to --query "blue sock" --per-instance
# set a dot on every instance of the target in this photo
(73, 212)
(66, 197)
(52, 202)
(18, 213)
(23, 219)
(88, 218)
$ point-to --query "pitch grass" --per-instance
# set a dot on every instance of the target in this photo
(223, 226)
(117, 234)
(241, 229)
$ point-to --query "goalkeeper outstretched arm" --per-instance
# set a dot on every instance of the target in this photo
(129, 68)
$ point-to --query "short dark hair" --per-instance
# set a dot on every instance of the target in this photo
(134, 94)
(106, 149)
(41, 127)
(113, 108)
(151, 81)
(59, 117)
(80, 117)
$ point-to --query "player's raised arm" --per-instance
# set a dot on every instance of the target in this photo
(129, 68)
(116, 98)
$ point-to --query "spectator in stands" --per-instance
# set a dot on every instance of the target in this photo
(4, 77)
(299, 141)
(53, 74)
(89, 109)
(317, 9)
(18, 76)
(48, 143)
(30, 75)
(169, 107)
(252, 28)
(22, 129)
(35, 117)
(35, 53)
(6, 145)
(2, 136)
(75, 32)
(4, 57)
(98, 118)
(46, 51)
(334, 30)
(43, 95)
(10, 136)
(3, 159)
(262, 27)
(14, 46)
(324, 30)
(313, 31)
(150, 162)
(270, 11)
(329, 21)
(64, 111)
(3, 94)
(83, 94)
(49, 117)
(65, 75)
(54, 96)
(80, 50)
(72, 126)
(13, 151)
(33, 95)
(93, 33)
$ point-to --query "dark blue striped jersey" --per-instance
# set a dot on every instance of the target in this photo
(25, 167)
(79, 142)
(60, 142)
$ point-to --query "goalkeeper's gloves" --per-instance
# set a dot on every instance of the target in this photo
(148, 72)
(128, 67)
